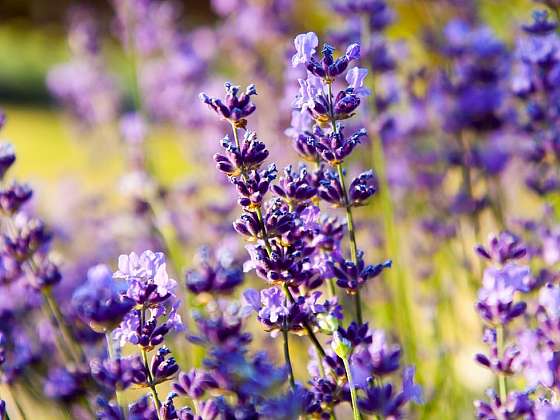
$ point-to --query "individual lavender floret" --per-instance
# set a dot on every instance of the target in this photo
(548, 315)
(253, 187)
(361, 189)
(152, 331)
(496, 297)
(330, 189)
(327, 68)
(163, 366)
(7, 158)
(295, 187)
(194, 383)
(284, 264)
(222, 327)
(13, 197)
(335, 147)
(500, 364)
(518, 405)
(209, 277)
(118, 374)
(234, 108)
(100, 301)
(147, 278)
(247, 157)
(379, 358)
(383, 399)
(274, 311)
(502, 248)
(312, 99)
(352, 277)
(65, 385)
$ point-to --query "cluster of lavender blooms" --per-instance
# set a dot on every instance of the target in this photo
(518, 302)
(298, 250)
(111, 331)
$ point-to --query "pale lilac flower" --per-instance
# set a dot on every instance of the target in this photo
(305, 47)
(534, 360)
(353, 52)
(355, 78)
(511, 277)
(308, 90)
(411, 391)
(143, 273)
(549, 299)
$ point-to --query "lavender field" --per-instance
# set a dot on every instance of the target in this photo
(280, 209)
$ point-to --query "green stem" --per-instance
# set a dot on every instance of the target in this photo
(353, 394)
(500, 343)
(118, 394)
(287, 356)
(351, 237)
(17, 405)
(151, 384)
(74, 348)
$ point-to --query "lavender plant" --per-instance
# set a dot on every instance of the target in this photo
(288, 233)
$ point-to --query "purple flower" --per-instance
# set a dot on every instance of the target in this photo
(495, 299)
(100, 301)
(64, 385)
(147, 278)
(194, 383)
(306, 45)
(235, 107)
(503, 248)
(549, 300)
(353, 52)
(7, 158)
(355, 79)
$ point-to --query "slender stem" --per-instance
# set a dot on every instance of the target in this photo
(264, 232)
(500, 343)
(72, 346)
(353, 394)
(118, 394)
(287, 355)
(17, 405)
(151, 385)
(153, 390)
(351, 236)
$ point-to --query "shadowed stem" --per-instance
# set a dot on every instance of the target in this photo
(74, 348)
(287, 353)
(17, 405)
(111, 352)
(153, 390)
(352, 238)
(500, 343)
(151, 384)
(353, 394)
